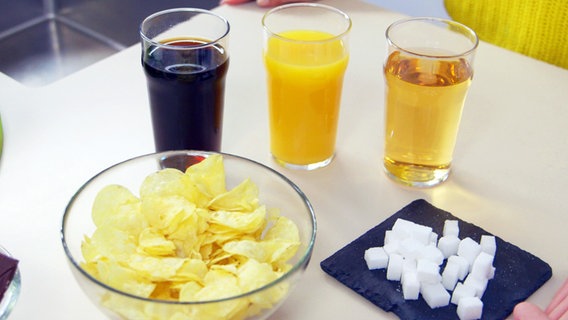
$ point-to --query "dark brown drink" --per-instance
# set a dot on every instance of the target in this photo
(186, 85)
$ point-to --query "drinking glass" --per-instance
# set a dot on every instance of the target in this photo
(305, 55)
(428, 71)
(185, 58)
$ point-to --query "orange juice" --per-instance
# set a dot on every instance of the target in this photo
(305, 76)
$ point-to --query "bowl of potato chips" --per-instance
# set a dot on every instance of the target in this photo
(188, 235)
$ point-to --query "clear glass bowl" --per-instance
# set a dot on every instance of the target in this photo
(276, 191)
(12, 293)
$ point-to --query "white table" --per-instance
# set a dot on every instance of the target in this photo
(510, 168)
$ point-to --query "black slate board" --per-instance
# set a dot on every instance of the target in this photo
(518, 273)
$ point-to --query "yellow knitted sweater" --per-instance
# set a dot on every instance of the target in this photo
(536, 28)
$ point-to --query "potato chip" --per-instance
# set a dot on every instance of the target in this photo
(247, 248)
(122, 278)
(277, 251)
(243, 198)
(190, 235)
(164, 291)
(241, 222)
(218, 235)
(230, 268)
(253, 275)
(189, 290)
(283, 229)
(218, 257)
(191, 270)
(152, 242)
(108, 243)
(208, 176)
(117, 206)
(220, 310)
(166, 213)
(155, 268)
(172, 182)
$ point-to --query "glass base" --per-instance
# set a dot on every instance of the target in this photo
(414, 175)
(307, 167)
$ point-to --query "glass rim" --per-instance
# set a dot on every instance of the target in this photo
(302, 260)
(209, 42)
(466, 31)
(308, 5)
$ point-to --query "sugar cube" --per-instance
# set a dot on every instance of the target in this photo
(460, 291)
(478, 284)
(462, 263)
(488, 244)
(450, 276)
(408, 229)
(422, 233)
(410, 248)
(469, 249)
(410, 285)
(393, 237)
(376, 258)
(428, 271)
(392, 247)
(435, 295)
(389, 236)
(491, 273)
(432, 253)
(402, 228)
(451, 228)
(434, 238)
(408, 265)
(394, 267)
(470, 308)
(482, 266)
(448, 245)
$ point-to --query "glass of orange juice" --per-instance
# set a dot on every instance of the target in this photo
(305, 54)
(428, 71)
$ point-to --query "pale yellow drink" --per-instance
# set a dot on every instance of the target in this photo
(424, 102)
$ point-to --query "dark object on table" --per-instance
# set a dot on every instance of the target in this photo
(8, 268)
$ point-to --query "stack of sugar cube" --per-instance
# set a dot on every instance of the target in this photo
(413, 255)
